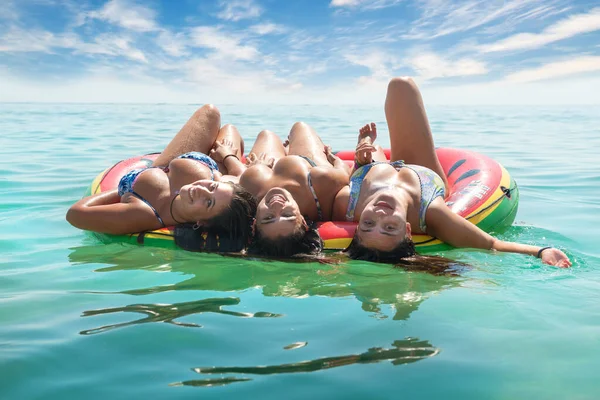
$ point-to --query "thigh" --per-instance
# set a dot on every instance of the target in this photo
(304, 141)
(410, 135)
(198, 134)
(230, 133)
(270, 144)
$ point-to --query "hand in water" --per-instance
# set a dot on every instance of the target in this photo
(555, 257)
(253, 159)
(222, 149)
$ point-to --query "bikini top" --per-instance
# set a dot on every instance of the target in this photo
(432, 186)
(312, 189)
(128, 180)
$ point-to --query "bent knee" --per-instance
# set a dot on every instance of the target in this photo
(264, 134)
(402, 83)
(229, 127)
(209, 110)
(300, 126)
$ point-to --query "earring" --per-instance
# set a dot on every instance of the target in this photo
(196, 226)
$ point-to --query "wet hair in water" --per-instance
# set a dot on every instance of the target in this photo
(303, 242)
(228, 232)
(405, 256)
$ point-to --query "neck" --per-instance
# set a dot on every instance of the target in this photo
(173, 208)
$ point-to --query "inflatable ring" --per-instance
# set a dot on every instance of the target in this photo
(480, 190)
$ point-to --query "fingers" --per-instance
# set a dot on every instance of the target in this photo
(214, 155)
(250, 159)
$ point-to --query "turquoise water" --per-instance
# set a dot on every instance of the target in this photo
(81, 319)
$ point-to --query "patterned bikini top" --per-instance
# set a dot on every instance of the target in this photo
(432, 186)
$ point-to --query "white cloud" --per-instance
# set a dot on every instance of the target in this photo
(300, 40)
(563, 29)
(8, 11)
(364, 4)
(109, 87)
(114, 45)
(30, 40)
(557, 69)
(445, 17)
(585, 91)
(223, 44)
(235, 10)
(378, 63)
(429, 65)
(127, 14)
(174, 44)
(267, 28)
(344, 3)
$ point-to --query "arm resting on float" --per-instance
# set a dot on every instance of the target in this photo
(458, 232)
(106, 214)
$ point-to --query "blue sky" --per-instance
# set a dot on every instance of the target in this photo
(305, 51)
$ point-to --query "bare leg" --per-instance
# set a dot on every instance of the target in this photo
(230, 133)
(410, 135)
(270, 144)
(304, 141)
(198, 134)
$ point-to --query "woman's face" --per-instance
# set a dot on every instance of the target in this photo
(278, 214)
(382, 225)
(205, 199)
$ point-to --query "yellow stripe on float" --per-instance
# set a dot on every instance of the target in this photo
(496, 198)
(96, 182)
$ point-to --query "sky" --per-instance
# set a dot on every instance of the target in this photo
(299, 51)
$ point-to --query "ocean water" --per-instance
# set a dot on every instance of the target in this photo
(79, 319)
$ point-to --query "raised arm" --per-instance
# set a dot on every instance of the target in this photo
(105, 213)
(458, 232)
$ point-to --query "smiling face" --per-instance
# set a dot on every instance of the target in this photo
(382, 225)
(278, 214)
(204, 199)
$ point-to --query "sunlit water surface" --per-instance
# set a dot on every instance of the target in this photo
(79, 319)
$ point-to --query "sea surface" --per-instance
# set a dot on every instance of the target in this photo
(80, 319)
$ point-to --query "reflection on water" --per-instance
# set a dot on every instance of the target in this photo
(380, 289)
(402, 352)
(374, 285)
(170, 312)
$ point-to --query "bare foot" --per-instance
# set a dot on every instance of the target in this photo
(369, 132)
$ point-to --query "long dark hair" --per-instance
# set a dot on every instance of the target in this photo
(305, 241)
(228, 232)
(404, 256)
